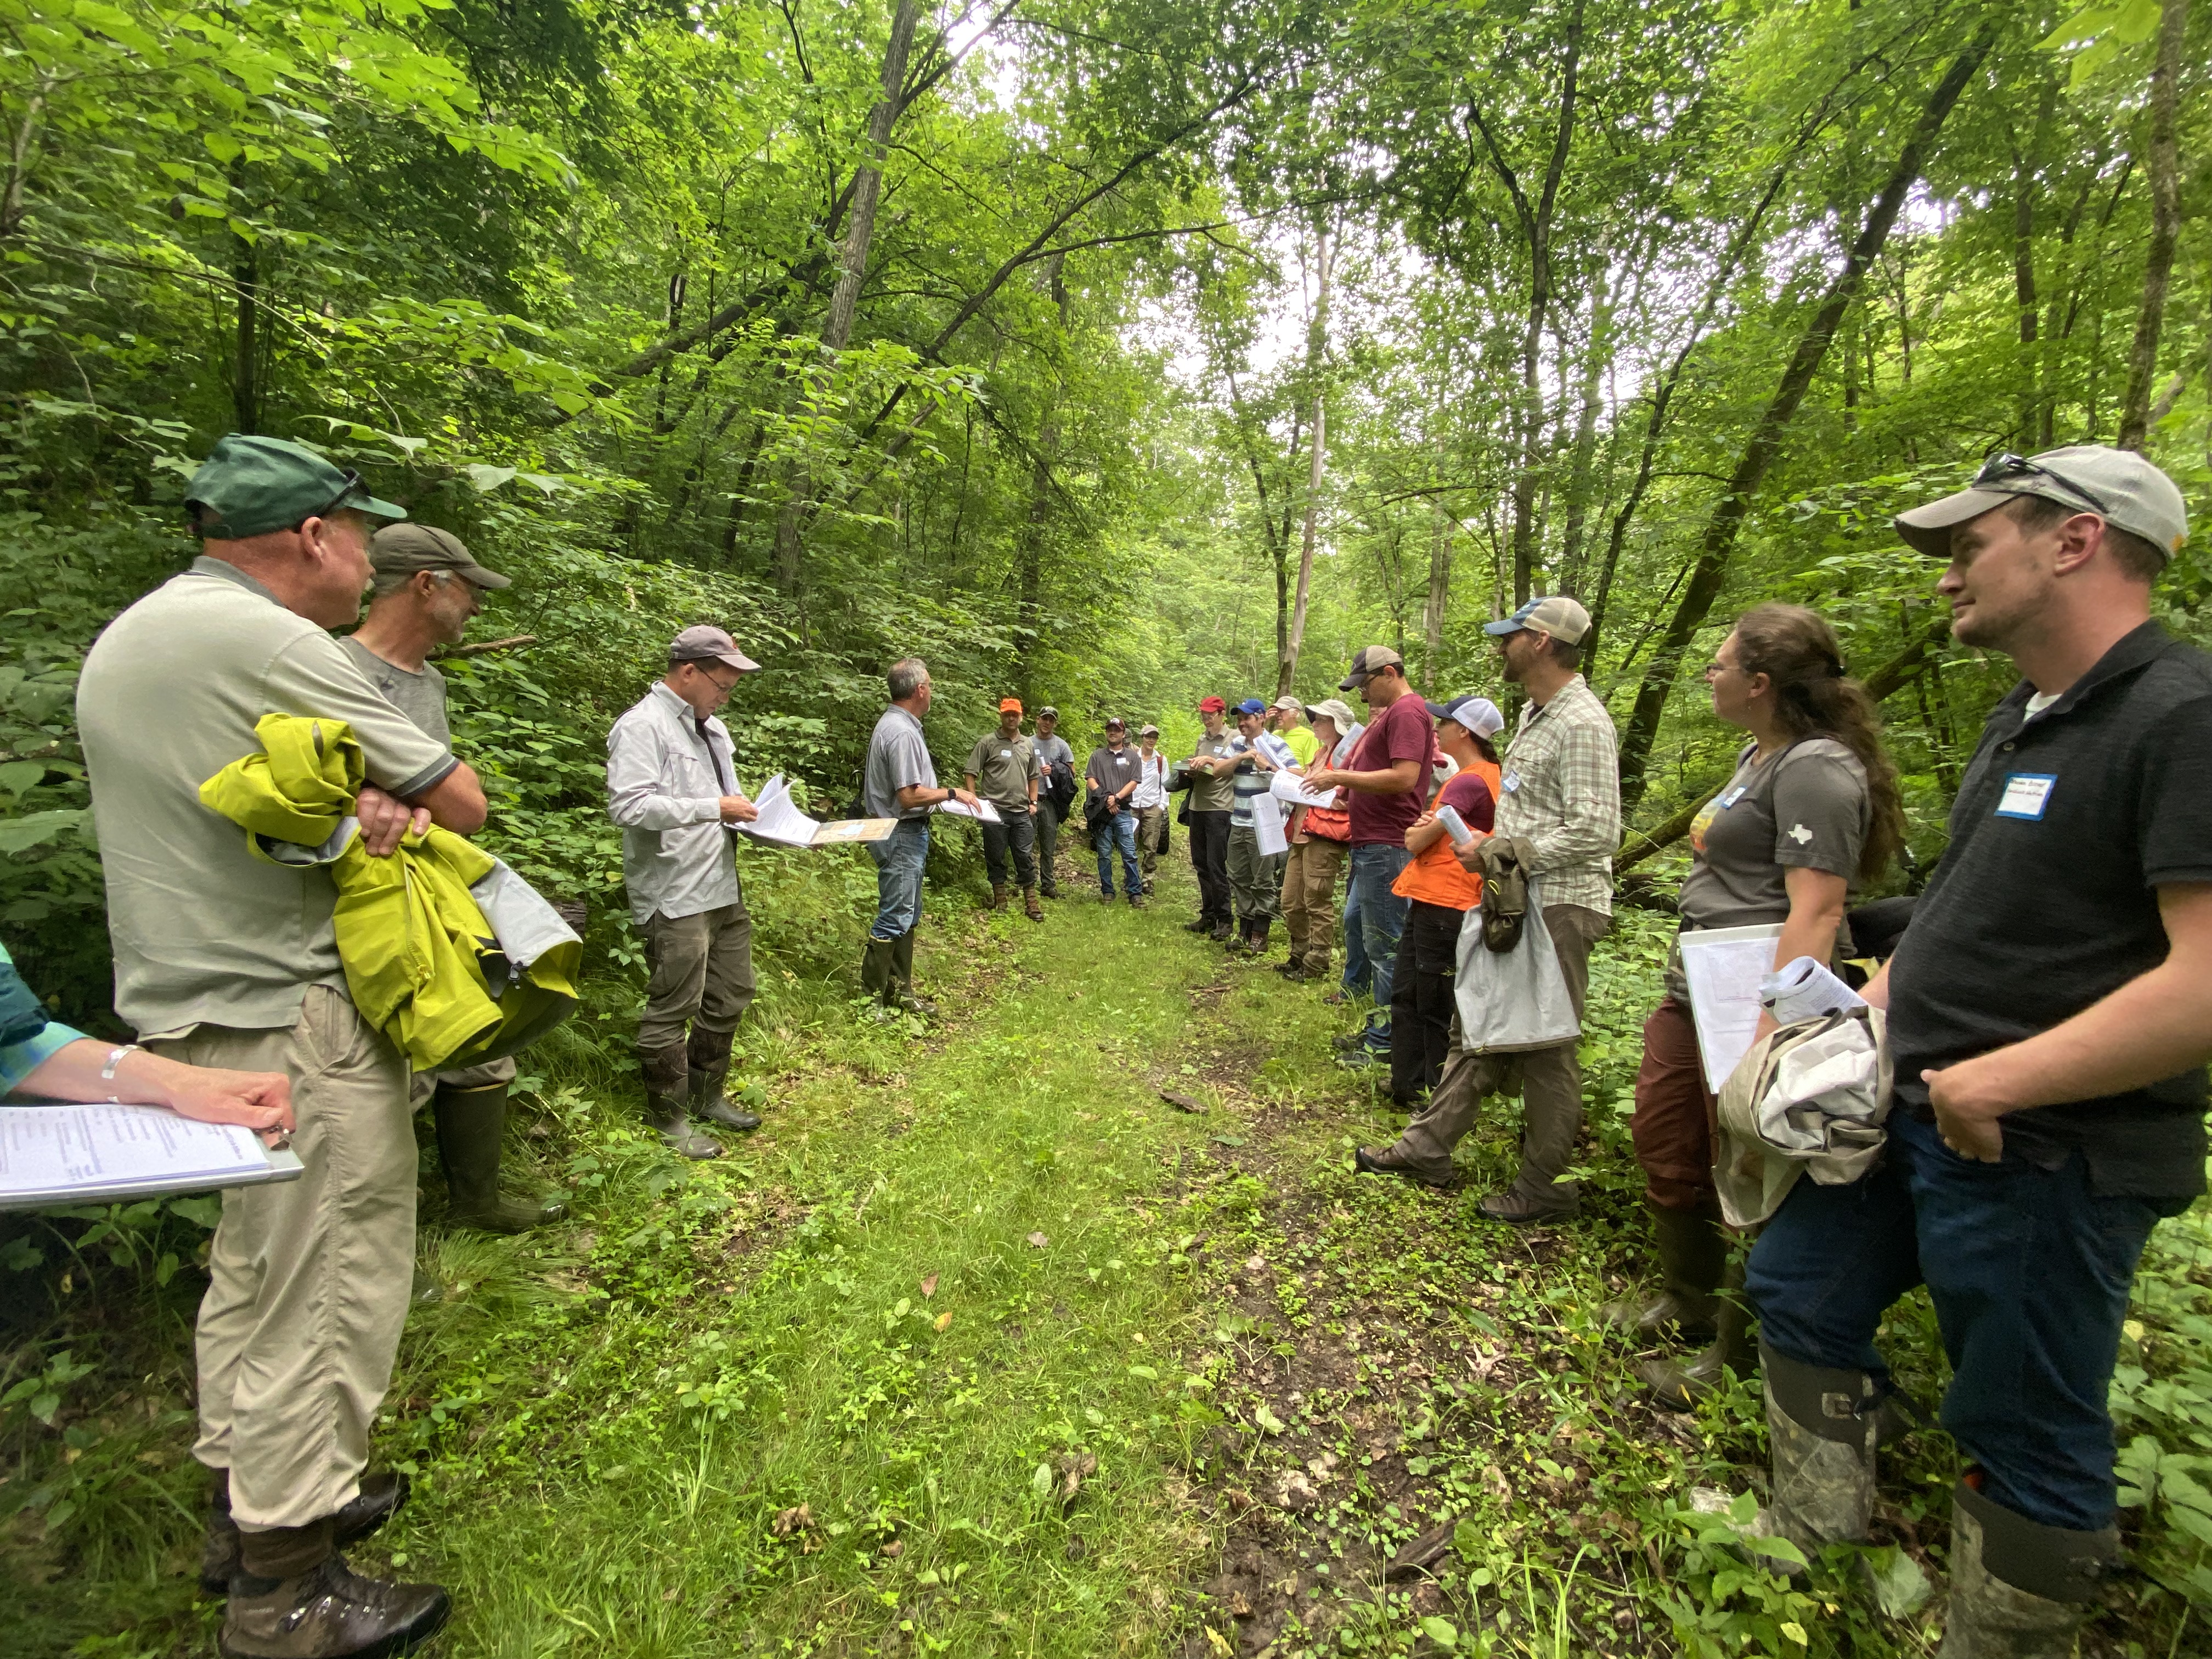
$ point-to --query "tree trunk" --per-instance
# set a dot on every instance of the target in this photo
(852, 261)
(1316, 354)
(1765, 446)
(1037, 532)
(2164, 168)
(1578, 481)
(246, 357)
(1433, 616)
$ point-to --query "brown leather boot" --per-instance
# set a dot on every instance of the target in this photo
(998, 895)
(1030, 905)
(329, 1611)
(381, 1497)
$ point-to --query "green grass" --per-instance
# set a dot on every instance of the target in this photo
(979, 1347)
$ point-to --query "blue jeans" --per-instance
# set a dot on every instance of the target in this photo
(1382, 919)
(2029, 1273)
(1358, 976)
(899, 863)
(1120, 830)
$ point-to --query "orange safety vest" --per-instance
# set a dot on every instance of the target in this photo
(1435, 876)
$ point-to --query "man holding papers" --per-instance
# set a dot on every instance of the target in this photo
(901, 783)
(673, 787)
(226, 960)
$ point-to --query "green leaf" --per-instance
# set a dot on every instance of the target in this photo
(1442, 1631)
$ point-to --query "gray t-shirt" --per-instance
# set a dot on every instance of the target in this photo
(898, 758)
(421, 697)
(203, 931)
(1210, 792)
(1806, 808)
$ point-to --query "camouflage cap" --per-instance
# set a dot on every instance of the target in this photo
(252, 486)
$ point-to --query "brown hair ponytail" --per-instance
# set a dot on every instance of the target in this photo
(1797, 650)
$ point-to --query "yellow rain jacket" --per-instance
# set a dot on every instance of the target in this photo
(420, 960)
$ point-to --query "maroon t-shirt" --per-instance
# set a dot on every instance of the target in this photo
(1468, 795)
(1401, 732)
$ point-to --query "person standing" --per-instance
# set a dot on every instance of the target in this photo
(1287, 719)
(1813, 807)
(229, 961)
(672, 787)
(1150, 802)
(1439, 894)
(1213, 793)
(1109, 782)
(1318, 837)
(1559, 798)
(426, 587)
(1255, 879)
(901, 783)
(1055, 794)
(2049, 1017)
(1389, 777)
(1002, 768)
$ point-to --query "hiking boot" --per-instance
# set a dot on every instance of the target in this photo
(1822, 1425)
(1203, 924)
(708, 1100)
(1336, 999)
(1221, 934)
(998, 895)
(329, 1611)
(1995, 1556)
(471, 1125)
(1678, 1384)
(1350, 1041)
(1518, 1210)
(1051, 888)
(1106, 895)
(381, 1497)
(1136, 901)
(1390, 1160)
(1030, 905)
(667, 1114)
(1692, 1254)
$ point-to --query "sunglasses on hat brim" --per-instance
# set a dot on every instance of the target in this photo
(2000, 471)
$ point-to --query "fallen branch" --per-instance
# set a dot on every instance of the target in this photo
(515, 643)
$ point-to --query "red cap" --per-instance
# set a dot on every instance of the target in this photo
(1213, 706)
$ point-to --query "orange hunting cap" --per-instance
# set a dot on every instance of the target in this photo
(1010, 705)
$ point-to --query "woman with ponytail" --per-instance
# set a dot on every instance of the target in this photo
(1812, 811)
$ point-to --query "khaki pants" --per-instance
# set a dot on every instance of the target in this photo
(310, 1278)
(492, 1074)
(1255, 881)
(703, 975)
(1152, 825)
(1550, 1081)
(1309, 900)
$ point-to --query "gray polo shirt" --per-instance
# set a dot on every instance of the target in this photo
(1002, 768)
(421, 697)
(898, 758)
(204, 933)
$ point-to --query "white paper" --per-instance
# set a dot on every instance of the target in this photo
(780, 821)
(1455, 826)
(1268, 824)
(88, 1150)
(982, 810)
(1275, 748)
(1725, 966)
(1805, 989)
(1292, 791)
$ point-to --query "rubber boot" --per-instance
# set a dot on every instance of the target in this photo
(1692, 1253)
(708, 1056)
(998, 895)
(876, 969)
(294, 1598)
(1261, 926)
(1995, 1556)
(471, 1124)
(1030, 905)
(1820, 1424)
(903, 994)
(1678, 1384)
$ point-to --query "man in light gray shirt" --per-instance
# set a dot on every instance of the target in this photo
(426, 588)
(901, 783)
(1052, 750)
(673, 787)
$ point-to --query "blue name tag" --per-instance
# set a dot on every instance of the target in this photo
(1511, 782)
(1733, 796)
(2025, 794)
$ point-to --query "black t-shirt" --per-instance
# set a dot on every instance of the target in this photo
(2066, 823)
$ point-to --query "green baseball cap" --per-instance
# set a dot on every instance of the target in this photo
(251, 486)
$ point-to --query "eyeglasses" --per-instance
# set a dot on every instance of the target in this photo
(2007, 468)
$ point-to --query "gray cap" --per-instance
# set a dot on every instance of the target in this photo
(1478, 714)
(1148, 730)
(1289, 705)
(1371, 660)
(1335, 710)
(2118, 485)
(1048, 712)
(400, 550)
(1560, 617)
(704, 642)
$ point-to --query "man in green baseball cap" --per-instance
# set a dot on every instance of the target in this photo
(225, 959)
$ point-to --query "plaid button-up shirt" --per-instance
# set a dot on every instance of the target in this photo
(1561, 795)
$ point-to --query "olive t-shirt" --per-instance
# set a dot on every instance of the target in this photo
(1210, 792)
(203, 931)
(421, 697)
(1002, 768)
(1806, 808)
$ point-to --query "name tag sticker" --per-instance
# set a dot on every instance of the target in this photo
(2025, 795)
(1733, 796)
(1511, 782)
(1005, 754)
